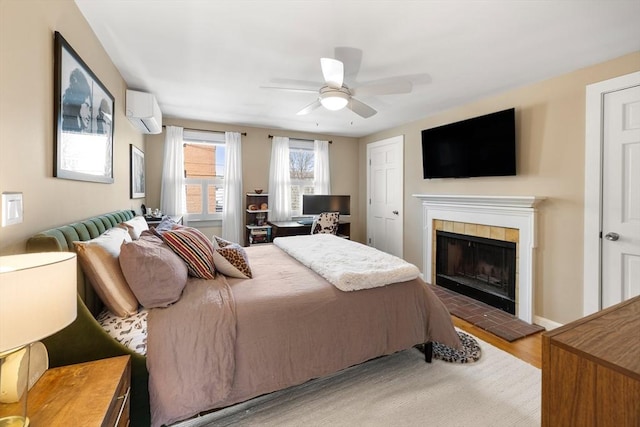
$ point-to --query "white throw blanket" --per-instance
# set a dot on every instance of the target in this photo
(348, 265)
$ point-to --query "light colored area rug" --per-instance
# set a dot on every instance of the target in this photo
(401, 390)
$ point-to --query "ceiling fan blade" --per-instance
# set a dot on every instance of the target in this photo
(351, 58)
(360, 108)
(388, 86)
(333, 72)
(290, 89)
(309, 108)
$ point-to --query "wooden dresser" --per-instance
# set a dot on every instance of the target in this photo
(87, 394)
(591, 370)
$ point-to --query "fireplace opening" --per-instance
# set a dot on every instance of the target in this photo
(481, 268)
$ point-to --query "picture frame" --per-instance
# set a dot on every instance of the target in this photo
(83, 119)
(136, 168)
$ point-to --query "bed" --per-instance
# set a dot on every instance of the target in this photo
(229, 339)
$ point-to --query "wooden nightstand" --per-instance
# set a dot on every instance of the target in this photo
(86, 394)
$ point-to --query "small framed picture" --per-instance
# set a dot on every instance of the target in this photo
(83, 129)
(137, 172)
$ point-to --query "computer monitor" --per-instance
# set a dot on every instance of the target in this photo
(315, 204)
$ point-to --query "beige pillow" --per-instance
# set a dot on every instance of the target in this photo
(154, 272)
(99, 261)
(135, 226)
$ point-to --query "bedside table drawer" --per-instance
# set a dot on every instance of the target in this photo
(118, 413)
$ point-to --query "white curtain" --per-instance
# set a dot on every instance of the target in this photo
(172, 194)
(279, 180)
(233, 203)
(321, 171)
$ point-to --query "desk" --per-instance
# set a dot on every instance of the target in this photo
(294, 228)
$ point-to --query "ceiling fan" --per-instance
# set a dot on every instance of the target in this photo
(335, 95)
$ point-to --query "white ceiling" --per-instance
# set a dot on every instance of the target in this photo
(207, 60)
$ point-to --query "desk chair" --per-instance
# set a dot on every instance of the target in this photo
(326, 223)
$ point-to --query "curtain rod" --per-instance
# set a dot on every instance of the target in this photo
(300, 139)
(208, 130)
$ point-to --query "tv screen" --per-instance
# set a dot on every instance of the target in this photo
(480, 146)
(315, 204)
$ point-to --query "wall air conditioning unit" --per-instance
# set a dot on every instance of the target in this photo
(143, 111)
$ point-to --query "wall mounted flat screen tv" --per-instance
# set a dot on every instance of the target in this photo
(315, 204)
(480, 146)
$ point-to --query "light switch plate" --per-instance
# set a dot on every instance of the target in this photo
(11, 208)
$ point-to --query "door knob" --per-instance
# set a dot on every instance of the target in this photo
(612, 236)
(395, 212)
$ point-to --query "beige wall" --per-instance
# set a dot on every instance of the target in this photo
(550, 120)
(256, 155)
(26, 119)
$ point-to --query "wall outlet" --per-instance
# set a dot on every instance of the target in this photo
(12, 211)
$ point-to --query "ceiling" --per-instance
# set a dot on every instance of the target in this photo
(210, 60)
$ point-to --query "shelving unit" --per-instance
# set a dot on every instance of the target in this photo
(258, 230)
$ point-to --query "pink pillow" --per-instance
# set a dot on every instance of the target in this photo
(155, 274)
(194, 248)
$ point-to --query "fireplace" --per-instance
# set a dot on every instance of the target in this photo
(494, 217)
(479, 267)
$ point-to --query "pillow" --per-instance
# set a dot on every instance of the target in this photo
(155, 274)
(232, 261)
(99, 260)
(219, 242)
(135, 226)
(165, 224)
(131, 332)
(194, 248)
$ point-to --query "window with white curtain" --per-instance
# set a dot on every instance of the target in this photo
(204, 166)
(301, 165)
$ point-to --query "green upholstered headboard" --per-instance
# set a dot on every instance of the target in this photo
(60, 239)
(84, 339)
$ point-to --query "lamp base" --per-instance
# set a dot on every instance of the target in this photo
(14, 421)
(13, 391)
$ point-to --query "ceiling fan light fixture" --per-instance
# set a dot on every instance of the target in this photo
(334, 99)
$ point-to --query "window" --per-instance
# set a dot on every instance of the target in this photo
(301, 160)
(204, 166)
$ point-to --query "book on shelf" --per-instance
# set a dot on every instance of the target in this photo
(258, 239)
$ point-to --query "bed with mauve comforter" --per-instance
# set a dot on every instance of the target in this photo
(228, 340)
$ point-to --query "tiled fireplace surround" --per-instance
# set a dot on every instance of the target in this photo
(509, 218)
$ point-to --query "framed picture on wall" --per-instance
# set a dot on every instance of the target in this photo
(83, 119)
(137, 172)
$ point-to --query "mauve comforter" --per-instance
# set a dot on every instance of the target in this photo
(291, 325)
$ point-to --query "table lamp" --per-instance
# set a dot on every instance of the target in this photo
(37, 299)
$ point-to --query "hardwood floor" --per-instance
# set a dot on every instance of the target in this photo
(528, 348)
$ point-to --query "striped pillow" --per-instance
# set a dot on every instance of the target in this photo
(194, 248)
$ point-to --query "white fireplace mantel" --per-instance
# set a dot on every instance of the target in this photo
(517, 212)
(481, 201)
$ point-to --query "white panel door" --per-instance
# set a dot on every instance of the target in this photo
(385, 165)
(621, 196)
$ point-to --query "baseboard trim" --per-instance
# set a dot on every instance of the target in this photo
(546, 323)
